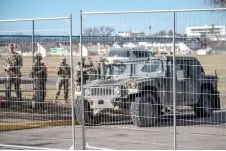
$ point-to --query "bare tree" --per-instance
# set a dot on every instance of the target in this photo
(216, 3)
(98, 31)
(91, 31)
(170, 33)
(161, 33)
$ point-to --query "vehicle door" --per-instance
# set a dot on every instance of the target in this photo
(192, 83)
(154, 72)
(180, 83)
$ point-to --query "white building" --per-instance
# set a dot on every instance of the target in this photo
(131, 33)
(206, 30)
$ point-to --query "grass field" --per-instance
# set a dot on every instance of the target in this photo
(51, 62)
(209, 62)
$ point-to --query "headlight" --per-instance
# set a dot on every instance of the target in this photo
(87, 92)
(78, 88)
(116, 90)
(131, 85)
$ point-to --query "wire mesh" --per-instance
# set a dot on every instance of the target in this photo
(39, 70)
(122, 49)
(129, 99)
(203, 80)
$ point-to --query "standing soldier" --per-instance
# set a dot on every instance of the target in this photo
(90, 62)
(39, 75)
(100, 67)
(77, 73)
(64, 73)
(90, 75)
(14, 62)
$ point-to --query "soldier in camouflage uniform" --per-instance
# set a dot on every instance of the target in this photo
(90, 75)
(64, 73)
(90, 62)
(14, 62)
(77, 72)
(39, 74)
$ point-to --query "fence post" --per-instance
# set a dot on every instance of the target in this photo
(174, 84)
(72, 86)
(82, 98)
(33, 51)
(33, 40)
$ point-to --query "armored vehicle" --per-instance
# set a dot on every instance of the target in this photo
(143, 89)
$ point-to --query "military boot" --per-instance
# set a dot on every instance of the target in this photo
(55, 100)
(66, 100)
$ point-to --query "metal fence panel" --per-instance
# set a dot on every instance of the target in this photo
(181, 82)
(201, 129)
(113, 127)
(52, 38)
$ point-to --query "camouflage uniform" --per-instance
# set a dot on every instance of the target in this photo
(90, 62)
(14, 63)
(39, 75)
(77, 73)
(90, 74)
(64, 73)
(101, 60)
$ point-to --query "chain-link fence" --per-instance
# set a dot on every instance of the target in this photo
(158, 80)
(36, 83)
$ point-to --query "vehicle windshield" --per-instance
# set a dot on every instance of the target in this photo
(153, 66)
(114, 69)
(143, 54)
(114, 53)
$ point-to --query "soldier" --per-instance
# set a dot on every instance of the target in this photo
(39, 75)
(64, 73)
(90, 75)
(90, 62)
(77, 72)
(14, 62)
(100, 64)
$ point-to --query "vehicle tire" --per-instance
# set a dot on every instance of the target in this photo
(204, 108)
(144, 110)
(89, 118)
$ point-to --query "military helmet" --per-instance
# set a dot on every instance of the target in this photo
(11, 45)
(63, 60)
(83, 59)
(78, 62)
(38, 56)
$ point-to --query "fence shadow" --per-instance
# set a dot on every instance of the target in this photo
(186, 119)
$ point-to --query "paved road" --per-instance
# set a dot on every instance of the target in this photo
(206, 133)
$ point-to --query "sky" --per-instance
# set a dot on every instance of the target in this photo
(147, 22)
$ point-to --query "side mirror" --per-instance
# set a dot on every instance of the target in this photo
(180, 75)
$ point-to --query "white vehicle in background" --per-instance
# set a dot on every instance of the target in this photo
(128, 54)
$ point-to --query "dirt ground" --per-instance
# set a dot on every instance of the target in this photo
(209, 62)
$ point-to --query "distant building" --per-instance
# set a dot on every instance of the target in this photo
(131, 33)
(206, 30)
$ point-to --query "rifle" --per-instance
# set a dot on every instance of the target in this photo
(9, 71)
(36, 73)
(63, 71)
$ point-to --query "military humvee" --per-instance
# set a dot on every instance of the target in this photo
(143, 89)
